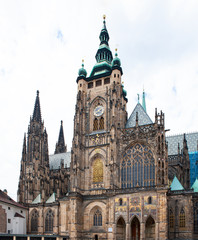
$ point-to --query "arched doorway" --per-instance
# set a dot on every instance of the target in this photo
(120, 229)
(150, 229)
(135, 229)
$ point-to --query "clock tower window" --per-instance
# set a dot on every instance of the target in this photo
(98, 124)
(101, 123)
(95, 124)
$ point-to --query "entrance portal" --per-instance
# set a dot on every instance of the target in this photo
(121, 229)
(150, 229)
(135, 229)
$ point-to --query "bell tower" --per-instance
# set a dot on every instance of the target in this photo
(99, 115)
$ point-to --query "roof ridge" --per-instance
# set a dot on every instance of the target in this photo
(179, 134)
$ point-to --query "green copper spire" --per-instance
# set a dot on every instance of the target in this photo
(104, 55)
(116, 60)
(143, 101)
(104, 52)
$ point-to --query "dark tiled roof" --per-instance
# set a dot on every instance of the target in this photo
(55, 160)
(143, 117)
(18, 215)
(6, 199)
(173, 141)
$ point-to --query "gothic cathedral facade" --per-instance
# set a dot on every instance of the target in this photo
(114, 182)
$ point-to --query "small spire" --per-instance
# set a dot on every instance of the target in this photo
(37, 111)
(24, 144)
(82, 71)
(138, 97)
(143, 100)
(60, 146)
(116, 53)
(104, 22)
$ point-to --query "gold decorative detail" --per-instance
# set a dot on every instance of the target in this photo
(96, 139)
(104, 16)
(97, 150)
(97, 171)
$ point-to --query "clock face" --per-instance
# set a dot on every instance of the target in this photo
(98, 111)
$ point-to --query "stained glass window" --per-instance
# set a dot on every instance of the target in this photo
(171, 218)
(49, 220)
(34, 221)
(137, 167)
(97, 171)
(97, 218)
(182, 218)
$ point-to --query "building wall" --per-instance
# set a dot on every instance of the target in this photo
(176, 203)
(3, 220)
(14, 225)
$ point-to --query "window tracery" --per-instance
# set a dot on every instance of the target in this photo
(49, 221)
(171, 218)
(97, 170)
(182, 218)
(97, 218)
(34, 221)
(137, 167)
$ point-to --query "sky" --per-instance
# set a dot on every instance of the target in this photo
(43, 42)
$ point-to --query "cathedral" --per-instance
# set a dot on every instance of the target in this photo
(118, 181)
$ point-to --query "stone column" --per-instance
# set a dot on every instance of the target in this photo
(128, 231)
(142, 231)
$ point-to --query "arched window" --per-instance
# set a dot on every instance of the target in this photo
(171, 218)
(101, 123)
(97, 170)
(137, 167)
(182, 218)
(97, 218)
(149, 200)
(95, 124)
(49, 221)
(120, 201)
(34, 221)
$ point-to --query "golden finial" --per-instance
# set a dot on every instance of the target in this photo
(116, 49)
(104, 16)
(122, 82)
(82, 60)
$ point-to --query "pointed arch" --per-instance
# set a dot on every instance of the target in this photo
(150, 228)
(137, 166)
(135, 228)
(171, 218)
(95, 124)
(34, 221)
(97, 170)
(97, 218)
(120, 228)
(49, 221)
(182, 218)
(101, 123)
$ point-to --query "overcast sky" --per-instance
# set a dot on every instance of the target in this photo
(42, 44)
